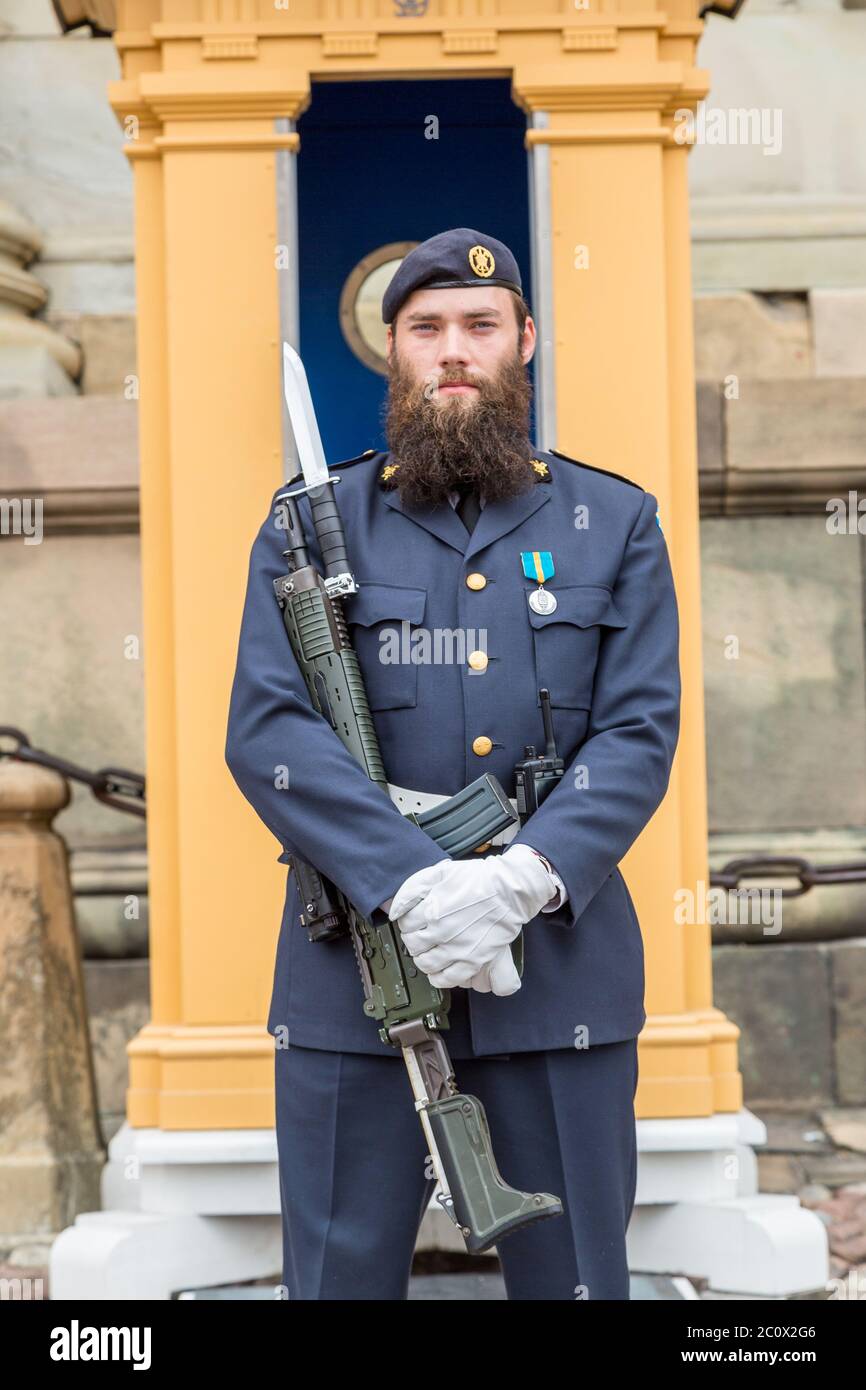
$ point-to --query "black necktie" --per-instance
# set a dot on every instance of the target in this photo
(468, 509)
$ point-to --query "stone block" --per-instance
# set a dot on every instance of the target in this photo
(73, 619)
(108, 347)
(25, 19)
(751, 336)
(779, 996)
(32, 371)
(785, 426)
(848, 964)
(784, 674)
(779, 1173)
(118, 1007)
(839, 330)
(711, 456)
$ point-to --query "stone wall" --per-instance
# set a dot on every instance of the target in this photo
(779, 247)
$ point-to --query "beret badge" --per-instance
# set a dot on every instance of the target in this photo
(482, 262)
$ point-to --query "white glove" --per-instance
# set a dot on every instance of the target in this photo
(476, 908)
(417, 886)
(499, 976)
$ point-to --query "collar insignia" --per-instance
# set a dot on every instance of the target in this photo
(542, 473)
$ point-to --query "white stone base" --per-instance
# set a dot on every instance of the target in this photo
(229, 1172)
(698, 1211)
(135, 1255)
(190, 1208)
(182, 1209)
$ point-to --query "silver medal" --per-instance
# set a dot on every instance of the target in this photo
(542, 600)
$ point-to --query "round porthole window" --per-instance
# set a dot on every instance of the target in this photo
(361, 303)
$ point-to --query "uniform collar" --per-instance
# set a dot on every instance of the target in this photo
(496, 518)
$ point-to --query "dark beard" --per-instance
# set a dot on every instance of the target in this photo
(481, 444)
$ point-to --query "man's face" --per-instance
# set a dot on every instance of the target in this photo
(449, 339)
(459, 394)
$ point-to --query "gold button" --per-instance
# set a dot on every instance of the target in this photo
(481, 745)
(479, 849)
(475, 581)
(478, 661)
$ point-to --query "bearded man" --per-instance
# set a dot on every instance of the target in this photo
(510, 569)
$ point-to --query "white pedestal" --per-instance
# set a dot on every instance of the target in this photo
(698, 1211)
(182, 1208)
(202, 1207)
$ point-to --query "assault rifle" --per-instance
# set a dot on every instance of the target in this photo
(410, 1010)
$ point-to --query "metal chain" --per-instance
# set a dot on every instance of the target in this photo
(115, 786)
(809, 875)
(112, 784)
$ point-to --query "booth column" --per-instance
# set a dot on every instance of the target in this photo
(199, 1142)
(208, 259)
(622, 307)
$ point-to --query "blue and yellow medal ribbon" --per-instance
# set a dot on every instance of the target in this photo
(537, 564)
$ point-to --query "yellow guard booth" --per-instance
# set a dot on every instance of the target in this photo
(207, 103)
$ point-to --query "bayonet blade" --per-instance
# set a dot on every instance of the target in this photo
(302, 416)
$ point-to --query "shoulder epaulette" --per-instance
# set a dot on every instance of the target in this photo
(594, 469)
(297, 481)
(343, 463)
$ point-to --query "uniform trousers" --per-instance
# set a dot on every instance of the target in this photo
(356, 1177)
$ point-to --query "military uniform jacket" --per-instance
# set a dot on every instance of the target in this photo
(608, 654)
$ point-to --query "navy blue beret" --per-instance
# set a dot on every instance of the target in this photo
(451, 260)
